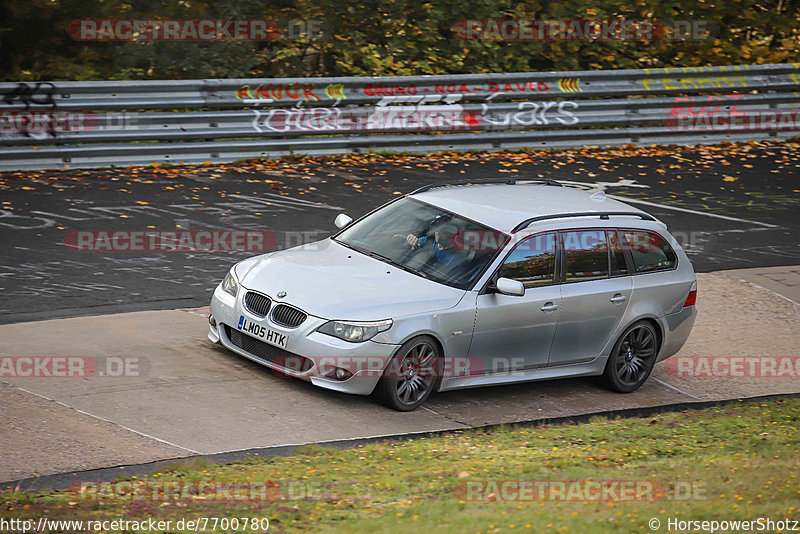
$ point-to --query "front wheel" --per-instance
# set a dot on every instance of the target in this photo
(632, 358)
(411, 376)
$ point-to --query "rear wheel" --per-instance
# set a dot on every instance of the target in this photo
(411, 376)
(632, 358)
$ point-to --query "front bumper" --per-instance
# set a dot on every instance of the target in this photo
(365, 361)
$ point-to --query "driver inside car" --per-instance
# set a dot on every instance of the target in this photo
(443, 252)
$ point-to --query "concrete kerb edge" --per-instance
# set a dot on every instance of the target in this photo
(64, 480)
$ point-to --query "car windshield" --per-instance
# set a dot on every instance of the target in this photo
(426, 240)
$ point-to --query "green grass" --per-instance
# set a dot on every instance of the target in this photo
(734, 462)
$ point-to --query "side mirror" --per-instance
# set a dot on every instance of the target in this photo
(342, 220)
(510, 287)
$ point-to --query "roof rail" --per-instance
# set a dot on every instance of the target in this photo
(602, 214)
(507, 181)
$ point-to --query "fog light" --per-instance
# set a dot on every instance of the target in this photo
(341, 374)
(336, 373)
(212, 321)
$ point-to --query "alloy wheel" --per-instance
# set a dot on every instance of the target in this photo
(416, 373)
(635, 356)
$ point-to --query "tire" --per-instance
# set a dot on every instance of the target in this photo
(412, 375)
(632, 358)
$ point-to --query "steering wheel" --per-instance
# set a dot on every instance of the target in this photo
(411, 248)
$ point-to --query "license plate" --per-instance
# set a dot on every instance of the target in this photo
(262, 332)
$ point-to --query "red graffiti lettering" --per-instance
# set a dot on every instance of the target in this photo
(244, 92)
(292, 91)
(383, 90)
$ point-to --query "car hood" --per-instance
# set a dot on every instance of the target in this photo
(331, 281)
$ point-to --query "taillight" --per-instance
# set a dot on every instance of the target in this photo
(690, 300)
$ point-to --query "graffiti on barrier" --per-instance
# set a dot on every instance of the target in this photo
(306, 92)
(377, 89)
(795, 76)
(445, 117)
(688, 78)
(714, 113)
(569, 85)
(418, 99)
(38, 94)
(533, 114)
(266, 93)
(53, 124)
(335, 90)
(460, 89)
(384, 118)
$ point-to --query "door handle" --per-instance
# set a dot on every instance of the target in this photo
(549, 307)
(619, 297)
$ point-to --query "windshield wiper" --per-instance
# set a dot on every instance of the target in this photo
(399, 265)
(384, 259)
(359, 249)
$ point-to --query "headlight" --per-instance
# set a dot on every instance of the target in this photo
(229, 284)
(354, 332)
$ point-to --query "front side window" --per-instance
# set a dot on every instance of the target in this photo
(650, 251)
(532, 262)
(585, 254)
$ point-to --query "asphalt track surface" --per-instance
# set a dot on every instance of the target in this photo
(731, 207)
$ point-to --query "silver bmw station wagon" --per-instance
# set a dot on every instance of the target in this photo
(462, 285)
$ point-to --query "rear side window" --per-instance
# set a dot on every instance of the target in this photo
(532, 262)
(649, 250)
(586, 254)
(619, 266)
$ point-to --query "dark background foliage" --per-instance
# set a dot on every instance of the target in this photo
(382, 37)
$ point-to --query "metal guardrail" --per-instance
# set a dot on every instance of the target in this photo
(90, 124)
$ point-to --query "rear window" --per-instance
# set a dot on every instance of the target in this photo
(650, 251)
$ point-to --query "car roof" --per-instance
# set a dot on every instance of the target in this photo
(504, 206)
